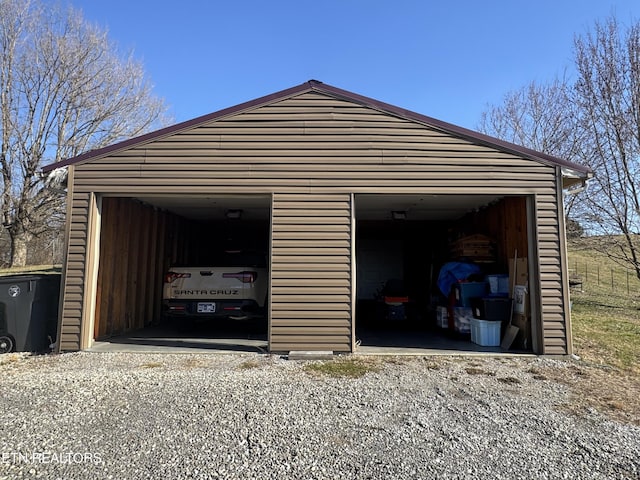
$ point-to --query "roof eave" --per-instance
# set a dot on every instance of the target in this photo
(317, 86)
(450, 128)
(172, 129)
(571, 178)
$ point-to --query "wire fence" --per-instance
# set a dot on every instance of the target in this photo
(605, 277)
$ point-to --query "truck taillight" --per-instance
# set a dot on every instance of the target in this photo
(244, 277)
(177, 308)
(171, 276)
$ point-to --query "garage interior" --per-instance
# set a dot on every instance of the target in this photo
(398, 237)
(141, 238)
(407, 239)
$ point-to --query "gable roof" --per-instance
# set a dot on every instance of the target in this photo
(575, 169)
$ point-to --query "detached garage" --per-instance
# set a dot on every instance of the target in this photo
(340, 191)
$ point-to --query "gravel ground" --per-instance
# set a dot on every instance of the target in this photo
(136, 416)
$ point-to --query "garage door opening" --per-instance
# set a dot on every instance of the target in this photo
(148, 242)
(404, 243)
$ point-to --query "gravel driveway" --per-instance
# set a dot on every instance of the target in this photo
(135, 416)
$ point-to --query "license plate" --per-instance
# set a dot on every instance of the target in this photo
(206, 307)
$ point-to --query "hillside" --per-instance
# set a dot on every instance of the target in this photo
(606, 336)
(606, 310)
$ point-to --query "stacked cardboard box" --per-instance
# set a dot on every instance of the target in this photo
(474, 247)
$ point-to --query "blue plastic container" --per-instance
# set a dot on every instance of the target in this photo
(464, 292)
(498, 284)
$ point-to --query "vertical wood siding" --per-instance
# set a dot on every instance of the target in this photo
(311, 273)
(321, 149)
(137, 245)
(504, 221)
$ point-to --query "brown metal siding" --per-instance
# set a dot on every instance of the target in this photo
(554, 327)
(322, 149)
(311, 273)
(74, 281)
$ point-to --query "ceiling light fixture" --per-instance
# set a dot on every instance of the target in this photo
(233, 214)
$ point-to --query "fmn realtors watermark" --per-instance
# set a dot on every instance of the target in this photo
(62, 458)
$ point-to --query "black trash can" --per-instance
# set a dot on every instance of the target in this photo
(28, 312)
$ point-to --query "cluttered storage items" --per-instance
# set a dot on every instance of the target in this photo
(488, 308)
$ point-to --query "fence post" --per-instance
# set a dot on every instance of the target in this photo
(612, 287)
(628, 291)
(586, 272)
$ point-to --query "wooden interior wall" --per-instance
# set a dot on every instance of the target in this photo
(137, 245)
(505, 222)
(511, 228)
(205, 242)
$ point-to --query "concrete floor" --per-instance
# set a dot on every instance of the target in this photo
(230, 338)
(238, 337)
(415, 341)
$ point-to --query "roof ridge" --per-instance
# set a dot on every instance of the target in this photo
(318, 86)
(451, 128)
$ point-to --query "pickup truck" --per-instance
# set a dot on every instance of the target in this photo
(208, 293)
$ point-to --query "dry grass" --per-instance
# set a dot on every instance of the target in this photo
(606, 336)
(31, 269)
(610, 391)
(606, 319)
(510, 380)
(478, 371)
(193, 363)
(249, 365)
(11, 358)
(343, 368)
(151, 365)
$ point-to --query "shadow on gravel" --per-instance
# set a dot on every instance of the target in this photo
(223, 337)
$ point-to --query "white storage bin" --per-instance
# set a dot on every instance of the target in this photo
(485, 332)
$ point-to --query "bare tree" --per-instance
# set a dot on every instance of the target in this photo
(64, 89)
(537, 116)
(542, 117)
(607, 94)
(594, 120)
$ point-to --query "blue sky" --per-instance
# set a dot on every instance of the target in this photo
(447, 60)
